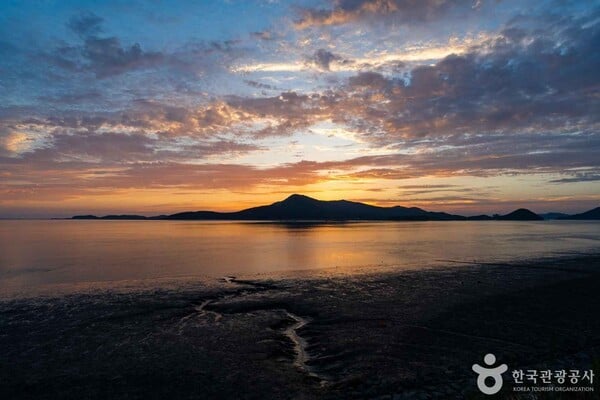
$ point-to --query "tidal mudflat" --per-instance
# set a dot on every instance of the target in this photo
(411, 334)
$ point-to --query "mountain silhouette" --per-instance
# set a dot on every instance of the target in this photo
(120, 216)
(298, 207)
(522, 214)
(591, 214)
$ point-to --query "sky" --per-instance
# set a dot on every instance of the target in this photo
(151, 107)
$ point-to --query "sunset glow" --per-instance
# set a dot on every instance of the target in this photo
(458, 106)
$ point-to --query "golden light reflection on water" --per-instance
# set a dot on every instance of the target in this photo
(36, 253)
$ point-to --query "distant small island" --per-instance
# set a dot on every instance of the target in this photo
(303, 208)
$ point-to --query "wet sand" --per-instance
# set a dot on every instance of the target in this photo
(411, 334)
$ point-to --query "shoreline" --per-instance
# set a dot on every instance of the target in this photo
(413, 333)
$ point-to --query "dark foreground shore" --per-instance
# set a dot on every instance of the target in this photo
(412, 334)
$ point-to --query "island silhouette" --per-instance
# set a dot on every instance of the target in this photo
(591, 214)
(299, 207)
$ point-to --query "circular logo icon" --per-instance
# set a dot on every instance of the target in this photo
(489, 372)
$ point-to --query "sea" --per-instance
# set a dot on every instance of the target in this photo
(44, 256)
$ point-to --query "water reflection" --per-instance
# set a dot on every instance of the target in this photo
(295, 225)
(34, 253)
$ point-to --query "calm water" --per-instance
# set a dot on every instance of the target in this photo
(42, 254)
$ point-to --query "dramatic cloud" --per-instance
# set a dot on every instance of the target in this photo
(514, 83)
(402, 11)
(105, 56)
(380, 98)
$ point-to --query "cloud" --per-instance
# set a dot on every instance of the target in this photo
(515, 93)
(437, 186)
(264, 35)
(15, 142)
(142, 117)
(579, 177)
(129, 161)
(279, 115)
(323, 59)
(386, 60)
(521, 101)
(114, 149)
(401, 11)
(509, 85)
(80, 165)
(104, 56)
(260, 85)
(514, 83)
(107, 57)
(86, 25)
